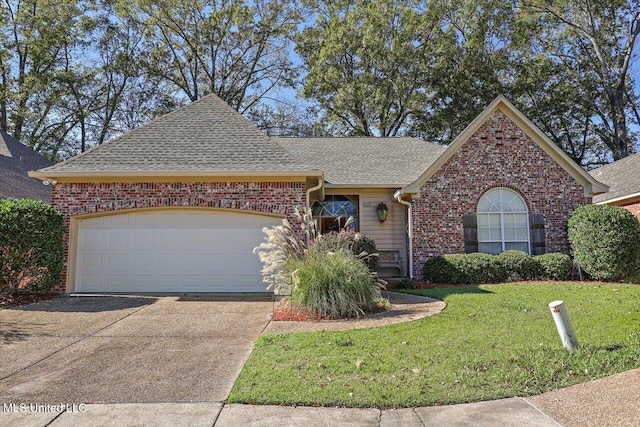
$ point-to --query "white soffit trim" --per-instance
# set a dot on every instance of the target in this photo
(356, 186)
(42, 174)
(618, 199)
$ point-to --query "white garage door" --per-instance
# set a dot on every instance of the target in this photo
(170, 251)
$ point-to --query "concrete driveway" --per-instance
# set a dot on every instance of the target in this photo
(126, 349)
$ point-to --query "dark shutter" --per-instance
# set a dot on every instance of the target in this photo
(470, 229)
(536, 231)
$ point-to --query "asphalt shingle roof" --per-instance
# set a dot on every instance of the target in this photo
(204, 136)
(365, 161)
(622, 177)
(16, 160)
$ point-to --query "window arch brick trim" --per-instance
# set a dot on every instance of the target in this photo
(508, 186)
(502, 222)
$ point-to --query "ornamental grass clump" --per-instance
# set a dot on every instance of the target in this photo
(335, 284)
(283, 245)
(324, 276)
(362, 246)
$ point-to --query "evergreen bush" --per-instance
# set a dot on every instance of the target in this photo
(31, 246)
(507, 266)
(605, 241)
(516, 265)
(554, 266)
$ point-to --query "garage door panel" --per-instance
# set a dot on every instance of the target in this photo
(141, 239)
(117, 261)
(90, 260)
(170, 251)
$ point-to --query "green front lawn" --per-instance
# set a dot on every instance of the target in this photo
(490, 342)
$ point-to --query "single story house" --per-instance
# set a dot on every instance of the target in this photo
(623, 179)
(178, 204)
(16, 160)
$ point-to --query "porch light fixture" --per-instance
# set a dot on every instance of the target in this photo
(382, 210)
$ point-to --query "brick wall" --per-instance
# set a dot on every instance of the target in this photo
(498, 154)
(73, 199)
(634, 208)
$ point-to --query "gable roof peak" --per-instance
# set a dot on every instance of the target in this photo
(501, 103)
(205, 136)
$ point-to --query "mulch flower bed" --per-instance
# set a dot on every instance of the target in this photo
(427, 285)
(285, 311)
(12, 301)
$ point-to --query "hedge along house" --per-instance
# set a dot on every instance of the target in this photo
(178, 204)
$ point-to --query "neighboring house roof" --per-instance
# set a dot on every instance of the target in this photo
(16, 160)
(206, 137)
(590, 185)
(365, 161)
(622, 177)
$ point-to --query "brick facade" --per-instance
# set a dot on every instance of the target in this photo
(498, 154)
(634, 208)
(73, 199)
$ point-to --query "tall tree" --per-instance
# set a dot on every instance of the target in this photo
(287, 119)
(595, 41)
(36, 36)
(551, 96)
(368, 63)
(238, 49)
(472, 66)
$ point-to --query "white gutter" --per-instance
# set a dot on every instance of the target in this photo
(351, 186)
(617, 199)
(310, 190)
(398, 198)
(44, 174)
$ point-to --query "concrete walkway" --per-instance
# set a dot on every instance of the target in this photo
(56, 347)
(612, 401)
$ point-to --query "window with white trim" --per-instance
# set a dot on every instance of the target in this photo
(333, 212)
(503, 222)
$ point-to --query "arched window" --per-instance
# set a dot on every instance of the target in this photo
(333, 212)
(503, 222)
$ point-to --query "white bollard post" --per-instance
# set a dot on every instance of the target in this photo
(565, 330)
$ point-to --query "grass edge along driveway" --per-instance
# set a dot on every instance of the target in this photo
(491, 342)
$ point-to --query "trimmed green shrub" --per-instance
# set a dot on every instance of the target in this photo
(463, 268)
(406, 284)
(441, 269)
(358, 244)
(31, 246)
(554, 266)
(335, 284)
(517, 265)
(507, 266)
(480, 268)
(605, 241)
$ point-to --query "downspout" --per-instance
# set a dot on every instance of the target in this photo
(308, 206)
(310, 190)
(398, 198)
